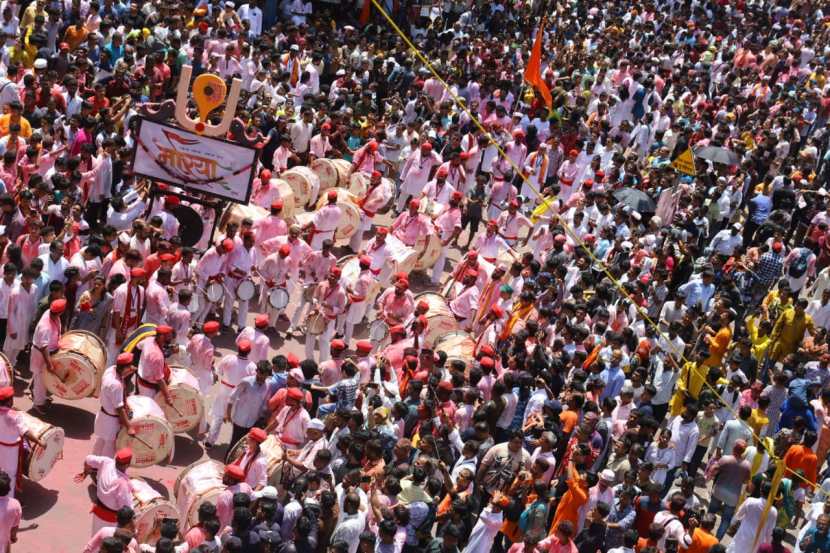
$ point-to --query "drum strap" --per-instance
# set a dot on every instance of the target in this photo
(231, 386)
(21, 460)
(104, 411)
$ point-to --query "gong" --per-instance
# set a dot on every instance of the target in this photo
(191, 225)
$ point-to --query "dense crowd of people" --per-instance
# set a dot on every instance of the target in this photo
(651, 341)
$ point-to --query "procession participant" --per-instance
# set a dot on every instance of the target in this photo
(200, 348)
(299, 252)
(259, 340)
(230, 371)
(358, 294)
(569, 173)
(275, 271)
(536, 170)
(253, 462)
(113, 415)
(378, 252)
(511, 222)
(272, 225)
(248, 402)
(330, 300)
(437, 191)
(179, 318)
(491, 291)
(320, 143)
(291, 422)
(378, 193)
(490, 244)
(448, 226)
(266, 191)
(211, 268)
(456, 171)
(315, 443)
(153, 372)
(415, 173)
(411, 226)
(488, 328)
(294, 379)
(157, 298)
(124, 521)
(13, 430)
(314, 269)
(182, 275)
(329, 370)
(233, 478)
(169, 222)
(465, 304)
(113, 490)
(238, 268)
(365, 362)
(22, 306)
(128, 304)
(366, 158)
(502, 192)
(396, 303)
(45, 344)
(325, 221)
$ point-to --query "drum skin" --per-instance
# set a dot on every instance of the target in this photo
(150, 508)
(441, 320)
(40, 460)
(153, 442)
(79, 364)
(184, 391)
(200, 482)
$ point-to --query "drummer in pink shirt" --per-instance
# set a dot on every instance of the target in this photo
(201, 349)
(253, 462)
(465, 304)
(272, 225)
(234, 479)
(113, 489)
(320, 144)
(153, 371)
(411, 225)
(292, 421)
(396, 303)
(366, 158)
(330, 369)
(12, 431)
(325, 221)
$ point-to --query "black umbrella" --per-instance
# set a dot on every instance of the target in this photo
(718, 154)
(635, 199)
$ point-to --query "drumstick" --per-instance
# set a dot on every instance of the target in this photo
(148, 446)
(173, 407)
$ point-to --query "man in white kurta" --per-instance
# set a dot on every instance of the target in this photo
(749, 514)
(113, 489)
(44, 344)
(238, 268)
(259, 340)
(330, 300)
(275, 271)
(358, 293)
(448, 227)
(22, 308)
(230, 371)
(112, 415)
(13, 429)
(378, 193)
(209, 269)
(484, 532)
(325, 221)
(415, 173)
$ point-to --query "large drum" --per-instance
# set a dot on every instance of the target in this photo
(458, 345)
(304, 182)
(428, 248)
(403, 257)
(150, 508)
(79, 363)
(153, 440)
(274, 454)
(350, 267)
(236, 212)
(343, 168)
(440, 318)
(326, 171)
(200, 482)
(350, 217)
(39, 460)
(188, 408)
(6, 371)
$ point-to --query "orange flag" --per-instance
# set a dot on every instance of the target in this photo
(533, 71)
(365, 12)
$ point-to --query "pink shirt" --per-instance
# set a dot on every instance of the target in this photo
(439, 193)
(511, 224)
(408, 228)
(317, 265)
(466, 303)
(201, 349)
(210, 265)
(319, 145)
(326, 219)
(489, 247)
(224, 503)
(365, 160)
(113, 486)
(47, 332)
(397, 308)
(94, 544)
(265, 194)
(330, 371)
(291, 425)
(332, 299)
(259, 343)
(151, 364)
(299, 251)
(231, 369)
(448, 221)
(275, 269)
(269, 227)
(256, 469)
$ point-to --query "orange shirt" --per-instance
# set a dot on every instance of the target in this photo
(801, 458)
(572, 500)
(701, 542)
(568, 419)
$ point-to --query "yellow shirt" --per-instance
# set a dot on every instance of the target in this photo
(757, 421)
(5, 121)
(760, 343)
(788, 332)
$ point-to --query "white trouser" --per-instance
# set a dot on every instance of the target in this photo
(106, 432)
(298, 313)
(103, 448)
(400, 203)
(37, 365)
(205, 307)
(227, 305)
(217, 414)
(205, 378)
(147, 391)
(357, 239)
(438, 268)
(317, 239)
(325, 339)
(353, 316)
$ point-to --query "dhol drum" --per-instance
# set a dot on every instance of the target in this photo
(440, 318)
(236, 212)
(304, 182)
(315, 323)
(378, 331)
(458, 345)
(79, 363)
(153, 440)
(150, 509)
(188, 408)
(246, 290)
(430, 208)
(349, 217)
(6, 371)
(326, 171)
(214, 292)
(200, 482)
(403, 257)
(276, 469)
(428, 248)
(289, 200)
(278, 298)
(39, 460)
(343, 169)
(358, 183)
(350, 271)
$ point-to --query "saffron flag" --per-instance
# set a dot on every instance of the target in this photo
(533, 71)
(365, 12)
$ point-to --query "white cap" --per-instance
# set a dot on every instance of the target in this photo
(268, 492)
(316, 424)
(608, 475)
(230, 5)
(40, 63)
(294, 48)
(124, 238)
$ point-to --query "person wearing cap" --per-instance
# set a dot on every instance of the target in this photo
(291, 422)
(153, 372)
(415, 173)
(230, 371)
(329, 300)
(128, 305)
(259, 340)
(44, 345)
(325, 221)
(491, 291)
(511, 222)
(253, 462)
(320, 143)
(157, 298)
(378, 193)
(465, 304)
(314, 268)
(303, 459)
(233, 478)
(169, 222)
(366, 159)
(237, 269)
(365, 361)
(271, 225)
(380, 253)
(358, 294)
(275, 272)
(124, 526)
(396, 303)
(569, 173)
(113, 490)
(344, 390)
(437, 192)
(536, 172)
(209, 269)
(265, 190)
(411, 226)
(13, 429)
(112, 416)
(490, 245)
(448, 227)
(248, 403)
